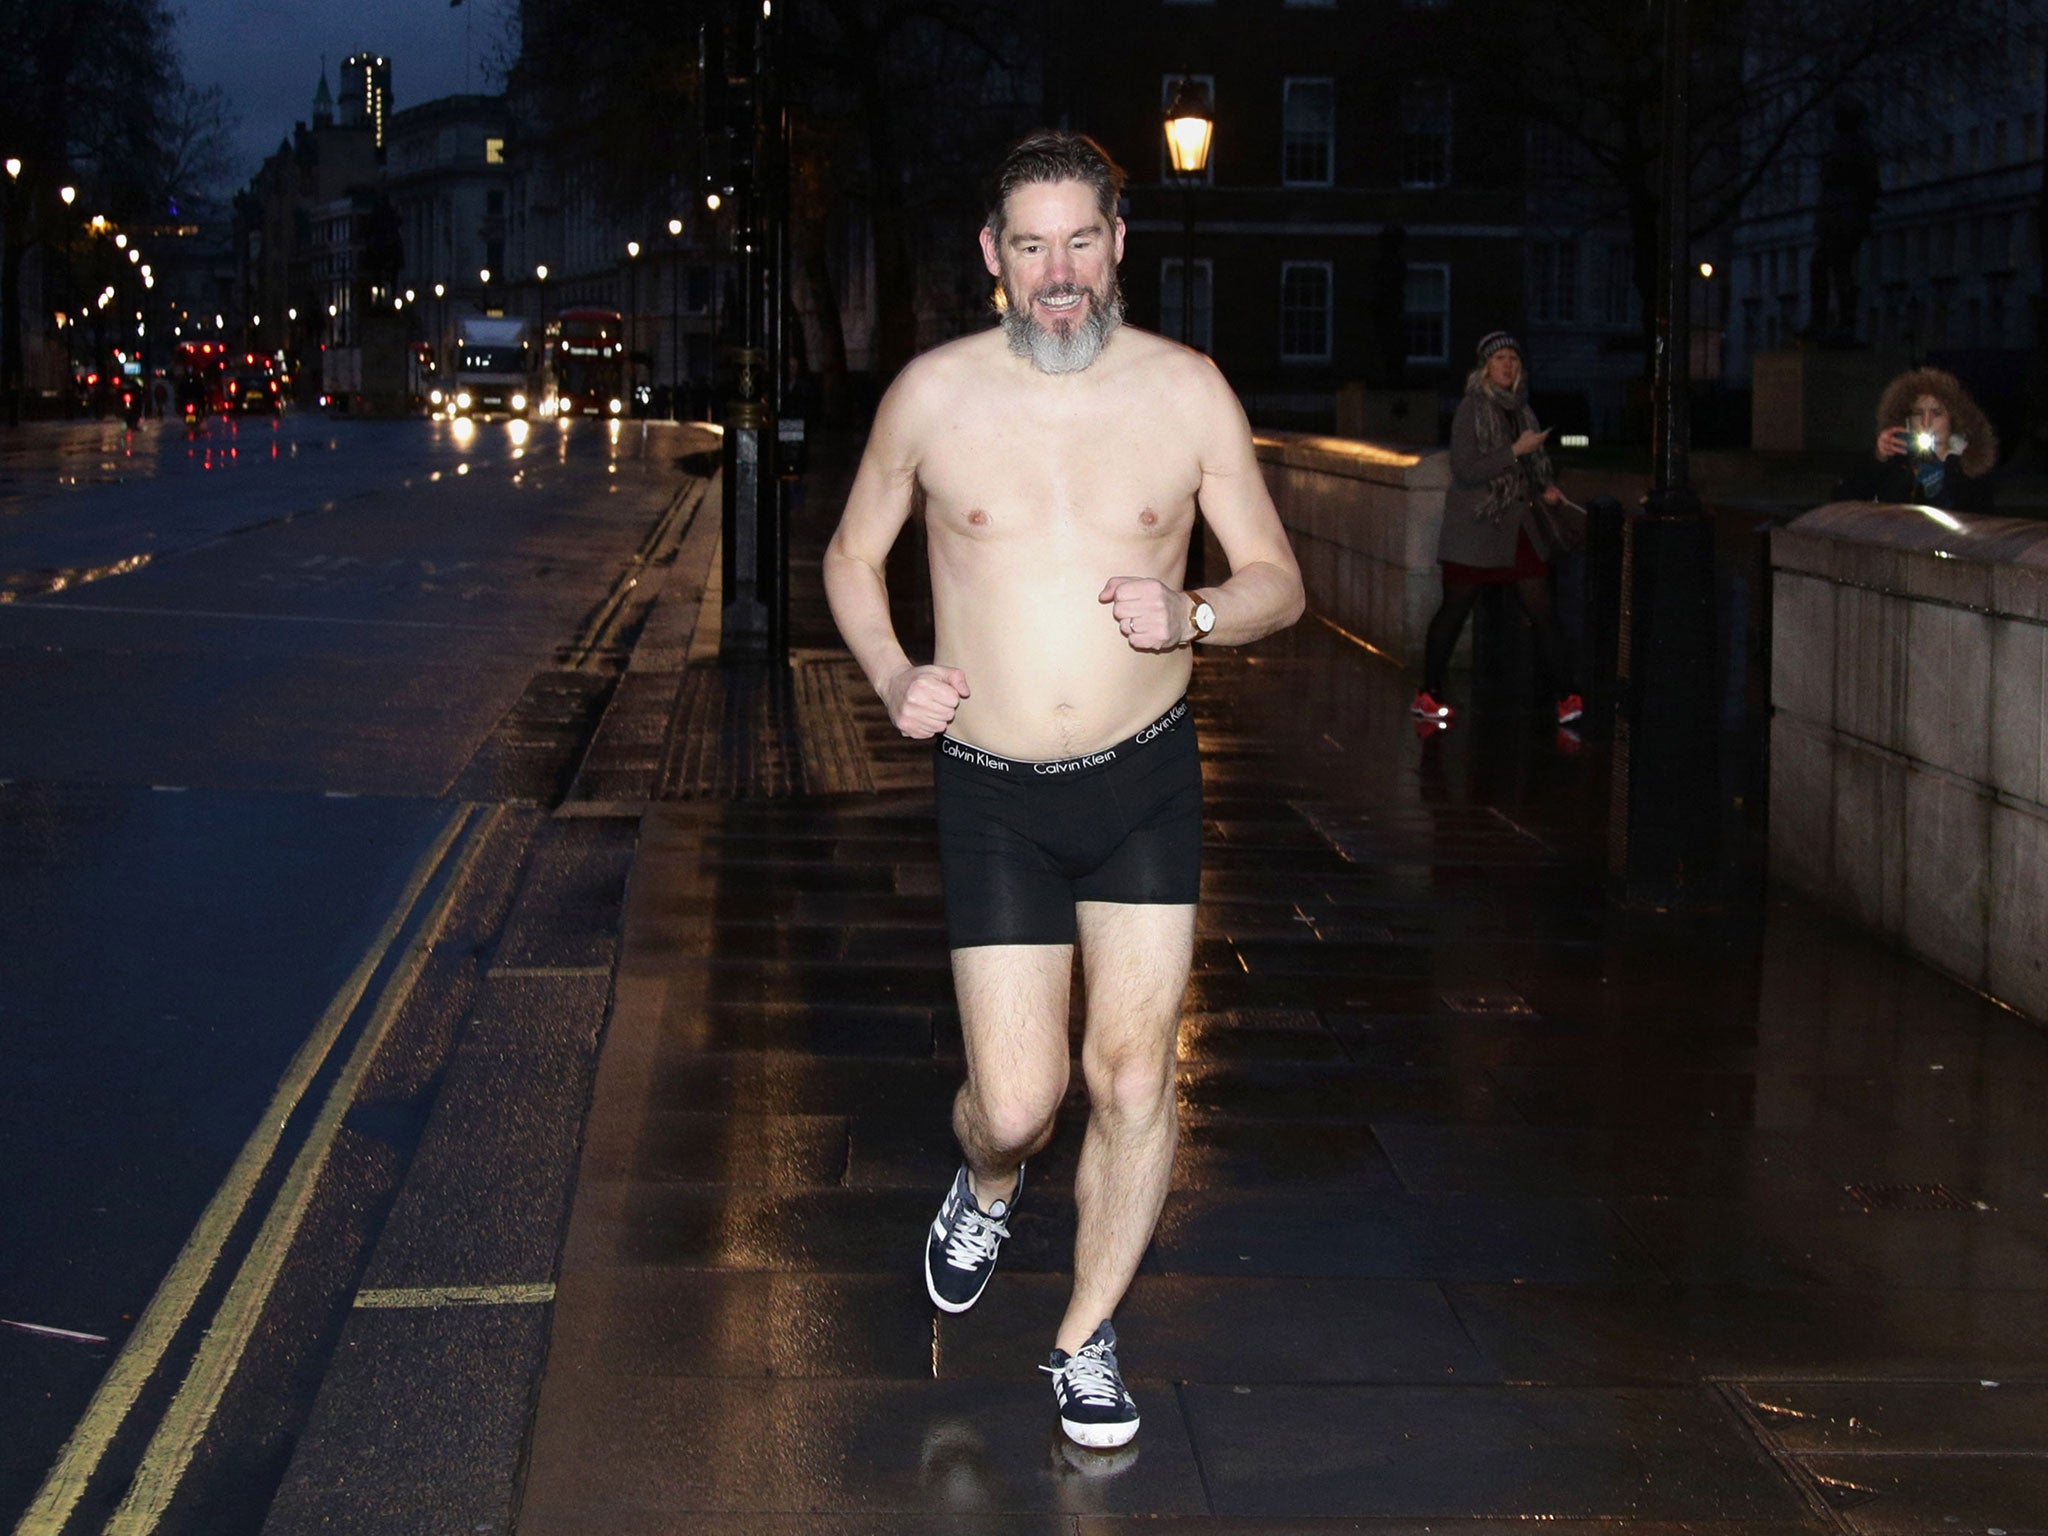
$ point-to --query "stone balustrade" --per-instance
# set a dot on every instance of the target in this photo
(1363, 518)
(1909, 739)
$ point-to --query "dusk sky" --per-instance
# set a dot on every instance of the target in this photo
(266, 54)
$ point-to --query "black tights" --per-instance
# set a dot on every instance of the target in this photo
(1553, 659)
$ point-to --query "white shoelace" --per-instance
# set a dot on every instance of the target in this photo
(1089, 1376)
(974, 1238)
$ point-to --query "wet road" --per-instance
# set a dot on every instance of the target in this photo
(242, 674)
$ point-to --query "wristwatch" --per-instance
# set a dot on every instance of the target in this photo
(1201, 616)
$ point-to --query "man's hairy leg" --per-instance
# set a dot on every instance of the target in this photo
(1134, 963)
(1013, 1022)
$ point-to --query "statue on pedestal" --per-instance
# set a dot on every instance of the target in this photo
(1848, 198)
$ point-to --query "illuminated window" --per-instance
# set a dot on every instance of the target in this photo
(1426, 135)
(494, 151)
(1553, 280)
(1426, 318)
(1305, 311)
(1308, 132)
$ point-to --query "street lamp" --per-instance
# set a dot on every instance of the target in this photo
(632, 313)
(1189, 127)
(675, 320)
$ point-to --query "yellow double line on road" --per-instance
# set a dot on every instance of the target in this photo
(178, 1434)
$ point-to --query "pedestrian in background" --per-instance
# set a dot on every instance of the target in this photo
(1491, 536)
(1935, 447)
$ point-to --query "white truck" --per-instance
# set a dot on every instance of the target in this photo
(493, 372)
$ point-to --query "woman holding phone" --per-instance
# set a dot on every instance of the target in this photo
(1489, 538)
(1934, 447)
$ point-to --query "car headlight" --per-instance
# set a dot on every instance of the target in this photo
(434, 395)
(519, 402)
(462, 400)
(616, 406)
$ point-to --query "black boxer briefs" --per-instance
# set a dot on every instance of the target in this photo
(1020, 842)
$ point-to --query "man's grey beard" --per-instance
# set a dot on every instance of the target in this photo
(1051, 352)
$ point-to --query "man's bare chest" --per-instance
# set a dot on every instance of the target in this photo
(996, 479)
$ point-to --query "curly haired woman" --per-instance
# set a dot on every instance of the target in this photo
(1935, 447)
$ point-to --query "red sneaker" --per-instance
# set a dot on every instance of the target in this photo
(1428, 707)
(1569, 708)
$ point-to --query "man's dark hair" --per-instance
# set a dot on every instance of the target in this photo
(1049, 155)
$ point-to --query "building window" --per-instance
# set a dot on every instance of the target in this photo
(1617, 291)
(1998, 243)
(1168, 84)
(494, 151)
(1554, 280)
(1172, 302)
(1426, 317)
(1305, 311)
(1553, 154)
(494, 204)
(1308, 116)
(1426, 134)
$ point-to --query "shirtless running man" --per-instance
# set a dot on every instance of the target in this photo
(1061, 458)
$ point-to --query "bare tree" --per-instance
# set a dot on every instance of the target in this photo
(195, 152)
(83, 86)
(1763, 73)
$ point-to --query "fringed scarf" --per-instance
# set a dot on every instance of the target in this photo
(1504, 415)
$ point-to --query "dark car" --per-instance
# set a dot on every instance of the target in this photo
(255, 390)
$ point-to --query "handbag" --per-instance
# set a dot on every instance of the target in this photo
(1560, 527)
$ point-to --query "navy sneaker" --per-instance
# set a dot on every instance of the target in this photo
(960, 1252)
(1095, 1410)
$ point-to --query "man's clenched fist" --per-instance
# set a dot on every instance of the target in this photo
(923, 700)
(1152, 615)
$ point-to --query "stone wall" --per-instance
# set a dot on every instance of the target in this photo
(1363, 518)
(1909, 740)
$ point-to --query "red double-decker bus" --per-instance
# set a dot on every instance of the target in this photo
(199, 377)
(586, 364)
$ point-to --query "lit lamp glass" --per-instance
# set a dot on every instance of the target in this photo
(1189, 126)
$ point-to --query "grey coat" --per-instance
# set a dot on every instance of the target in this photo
(1465, 540)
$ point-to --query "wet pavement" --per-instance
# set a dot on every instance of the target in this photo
(1492, 1203)
(224, 768)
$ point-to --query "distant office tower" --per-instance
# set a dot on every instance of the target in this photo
(366, 93)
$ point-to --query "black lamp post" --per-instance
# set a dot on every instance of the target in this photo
(1664, 842)
(675, 321)
(1190, 125)
(632, 315)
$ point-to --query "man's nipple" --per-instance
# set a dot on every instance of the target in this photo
(978, 518)
(1147, 518)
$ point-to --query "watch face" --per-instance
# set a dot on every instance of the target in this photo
(1205, 617)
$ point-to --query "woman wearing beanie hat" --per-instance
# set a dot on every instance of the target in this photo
(1497, 465)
